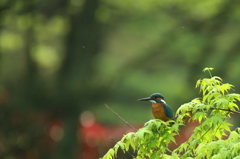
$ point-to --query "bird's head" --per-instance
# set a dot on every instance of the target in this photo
(154, 98)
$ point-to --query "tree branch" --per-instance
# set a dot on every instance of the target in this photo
(120, 117)
(233, 111)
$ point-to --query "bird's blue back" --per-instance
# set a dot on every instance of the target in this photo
(167, 109)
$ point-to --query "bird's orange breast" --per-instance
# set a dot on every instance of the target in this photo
(159, 112)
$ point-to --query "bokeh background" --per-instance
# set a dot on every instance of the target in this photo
(62, 60)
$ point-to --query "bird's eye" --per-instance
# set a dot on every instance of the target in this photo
(153, 97)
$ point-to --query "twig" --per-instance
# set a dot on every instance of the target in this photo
(169, 150)
(121, 147)
(175, 117)
(120, 117)
(233, 111)
(218, 127)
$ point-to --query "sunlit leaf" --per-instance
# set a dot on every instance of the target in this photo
(207, 69)
(198, 83)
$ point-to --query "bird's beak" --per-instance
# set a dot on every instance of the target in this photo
(144, 99)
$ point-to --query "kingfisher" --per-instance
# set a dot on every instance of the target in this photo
(160, 109)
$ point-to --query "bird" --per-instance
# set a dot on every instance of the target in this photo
(160, 109)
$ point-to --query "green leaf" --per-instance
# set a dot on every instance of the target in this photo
(207, 69)
(140, 133)
(217, 78)
(218, 135)
(133, 145)
(116, 147)
(174, 156)
(198, 83)
(199, 116)
(111, 153)
(234, 136)
(171, 138)
(175, 126)
(121, 145)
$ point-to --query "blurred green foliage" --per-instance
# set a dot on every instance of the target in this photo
(62, 57)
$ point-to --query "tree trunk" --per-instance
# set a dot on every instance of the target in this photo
(82, 46)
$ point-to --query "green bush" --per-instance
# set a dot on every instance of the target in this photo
(211, 111)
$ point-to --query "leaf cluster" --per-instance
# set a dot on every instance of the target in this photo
(150, 141)
(211, 112)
